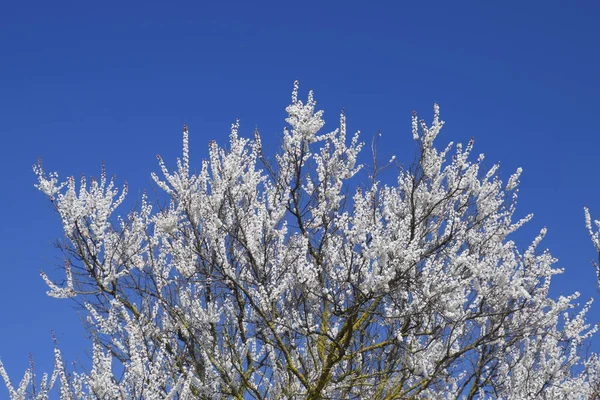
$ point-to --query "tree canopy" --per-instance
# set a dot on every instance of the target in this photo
(287, 279)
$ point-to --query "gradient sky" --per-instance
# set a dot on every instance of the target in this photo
(83, 82)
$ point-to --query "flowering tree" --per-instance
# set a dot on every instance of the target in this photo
(277, 280)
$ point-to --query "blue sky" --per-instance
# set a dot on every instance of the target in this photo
(83, 82)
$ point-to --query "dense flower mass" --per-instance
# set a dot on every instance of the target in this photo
(281, 280)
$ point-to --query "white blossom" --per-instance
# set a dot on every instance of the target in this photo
(287, 280)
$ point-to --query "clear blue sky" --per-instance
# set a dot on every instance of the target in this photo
(83, 82)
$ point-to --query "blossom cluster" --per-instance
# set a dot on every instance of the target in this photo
(283, 280)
